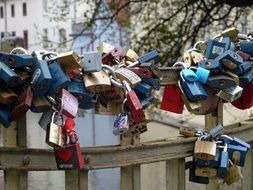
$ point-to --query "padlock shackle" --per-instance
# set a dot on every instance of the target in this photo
(178, 64)
(126, 86)
(116, 83)
(110, 69)
(18, 49)
(49, 55)
(197, 43)
(133, 64)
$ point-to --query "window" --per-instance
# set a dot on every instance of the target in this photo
(24, 9)
(2, 34)
(1, 12)
(12, 10)
(13, 33)
(25, 32)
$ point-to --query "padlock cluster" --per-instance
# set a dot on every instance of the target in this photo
(111, 80)
(216, 156)
(219, 69)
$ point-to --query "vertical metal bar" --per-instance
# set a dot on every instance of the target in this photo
(211, 121)
(15, 136)
(247, 171)
(175, 174)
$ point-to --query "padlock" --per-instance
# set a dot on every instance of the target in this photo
(76, 88)
(187, 131)
(112, 108)
(45, 119)
(196, 57)
(96, 82)
(220, 82)
(209, 163)
(233, 175)
(114, 94)
(191, 106)
(223, 163)
(201, 73)
(169, 75)
(230, 94)
(154, 82)
(9, 76)
(69, 129)
(70, 157)
(229, 59)
(131, 55)
(214, 132)
(7, 96)
(54, 134)
(204, 150)
(40, 104)
(237, 141)
(22, 105)
(129, 76)
(246, 78)
(115, 54)
(212, 65)
(86, 105)
(41, 78)
(153, 67)
(187, 59)
(104, 48)
(59, 79)
(243, 68)
(88, 101)
(229, 44)
(92, 61)
(232, 33)
(214, 49)
(171, 100)
(150, 56)
(195, 178)
(70, 62)
(237, 154)
(144, 89)
(121, 124)
(17, 60)
(246, 47)
(69, 104)
(24, 75)
(193, 90)
(201, 46)
(143, 73)
(133, 103)
(146, 101)
(4, 115)
(205, 172)
(189, 75)
(245, 56)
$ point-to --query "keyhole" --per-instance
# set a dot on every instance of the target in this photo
(208, 64)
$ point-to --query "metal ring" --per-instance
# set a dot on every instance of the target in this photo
(179, 63)
(133, 64)
(18, 49)
(107, 67)
(197, 43)
(116, 83)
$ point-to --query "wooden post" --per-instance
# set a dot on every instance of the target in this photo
(211, 121)
(76, 180)
(130, 175)
(247, 171)
(16, 136)
(175, 174)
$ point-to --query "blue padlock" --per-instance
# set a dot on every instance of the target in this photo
(76, 87)
(189, 75)
(150, 56)
(212, 65)
(246, 78)
(146, 101)
(193, 90)
(59, 79)
(9, 76)
(202, 74)
(41, 78)
(243, 68)
(4, 115)
(247, 47)
(155, 83)
(220, 82)
(17, 60)
(121, 124)
(223, 163)
(214, 49)
(144, 89)
(88, 101)
(229, 44)
(92, 61)
(237, 141)
(86, 105)
(209, 163)
(237, 154)
(229, 59)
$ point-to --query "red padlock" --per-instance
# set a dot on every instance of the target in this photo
(246, 99)
(115, 53)
(69, 129)
(133, 103)
(172, 100)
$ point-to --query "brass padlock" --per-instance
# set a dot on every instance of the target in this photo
(204, 150)
(131, 55)
(55, 136)
(233, 175)
(70, 62)
(230, 94)
(191, 106)
(97, 81)
(205, 171)
(112, 108)
(187, 59)
(129, 76)
(196, 57)
(40, 104)
(169, 75)
(7, 96)
(104, 48)
(187, 131)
